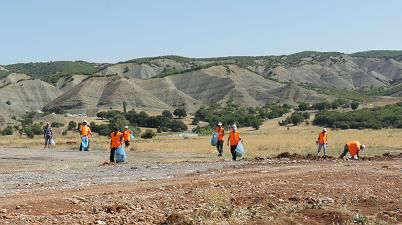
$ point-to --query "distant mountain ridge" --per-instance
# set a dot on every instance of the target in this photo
(166, 82)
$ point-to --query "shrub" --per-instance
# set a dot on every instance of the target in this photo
(167, 114)
(195, 121)
(8, 130)
(180, 112)
(33, 129)
(72, 125)
(58, 110)
(148, 134)
(64, 132)
(102, 129)
(57, 124)
(256, 123)
(354, 105)
(8, 102)
(207, 130)
(178, 126)
(381, 117)
(303, 106)
(295, 118)
(119, 121)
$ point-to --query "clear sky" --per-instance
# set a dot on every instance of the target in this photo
(119, 30)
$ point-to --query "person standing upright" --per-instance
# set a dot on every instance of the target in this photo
(47, 134)
(322, 142)
(233, 141)
(221, 135)
(116, 140)
(127, 134)
(85, 133)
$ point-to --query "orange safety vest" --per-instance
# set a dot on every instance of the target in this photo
(126, 135)
(85, 130)
(353, 147)
(322, 138)
(234, 137)
(221, 133)
(116, 139)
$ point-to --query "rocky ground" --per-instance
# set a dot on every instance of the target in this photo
(286, 190)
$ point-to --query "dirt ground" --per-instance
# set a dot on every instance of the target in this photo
(287, 190)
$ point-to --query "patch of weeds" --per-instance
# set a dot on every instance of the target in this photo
(360, 219)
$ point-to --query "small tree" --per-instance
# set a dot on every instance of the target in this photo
(354, 105)
(167, 114)
(180, 112)
(8, 102)
(58, 110)
(303, 106)
(119, 121)
(256, 123)
(124, 106)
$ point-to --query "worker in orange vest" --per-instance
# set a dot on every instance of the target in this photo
(126, 134)
(116, 140)
(85, 132)
(322, 142)
(221, 135)
(353, 147)
(233, 140)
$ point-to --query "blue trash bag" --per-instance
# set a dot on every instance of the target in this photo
(84, 142)
(239, 150)
(214, 139)
(131, 136)
(120, 155)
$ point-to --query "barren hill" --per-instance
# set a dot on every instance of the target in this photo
(20, 94)
(167, 82)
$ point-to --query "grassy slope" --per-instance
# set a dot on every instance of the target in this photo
(52, 71)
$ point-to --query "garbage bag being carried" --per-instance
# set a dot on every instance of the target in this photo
(239, 149)
(131, 136)
(120, 155)
(84, 142)
(52, 142)
(214, 139)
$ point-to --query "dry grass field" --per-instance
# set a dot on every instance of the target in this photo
(269, 141)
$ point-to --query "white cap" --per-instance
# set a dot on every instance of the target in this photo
(362, 147)
(126, 127)
(86, 122)
(219, 124)
(324, 129)
(234, 126)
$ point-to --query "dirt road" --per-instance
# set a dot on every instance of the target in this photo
(277, 191)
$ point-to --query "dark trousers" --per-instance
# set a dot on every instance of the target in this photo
(112, 150)
(345, 151)
(233, 151)
(219, 147)
(127, 143)
(47, 139)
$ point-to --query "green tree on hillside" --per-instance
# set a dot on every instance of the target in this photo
(180, 112)
(354, 105)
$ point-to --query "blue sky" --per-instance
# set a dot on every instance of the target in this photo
(118, 30)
